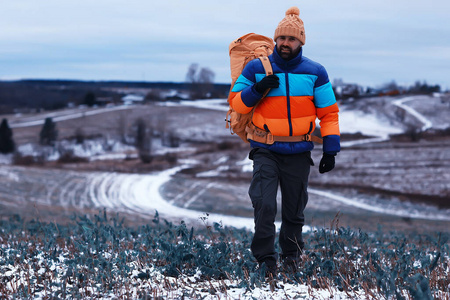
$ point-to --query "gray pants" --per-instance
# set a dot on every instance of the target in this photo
(291, 173)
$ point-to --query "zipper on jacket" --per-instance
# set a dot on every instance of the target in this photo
(288, 102)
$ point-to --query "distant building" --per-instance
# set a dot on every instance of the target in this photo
(132, 99)
(175, 95)
(344, 90)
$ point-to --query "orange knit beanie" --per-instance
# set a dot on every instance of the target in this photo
(291, 25)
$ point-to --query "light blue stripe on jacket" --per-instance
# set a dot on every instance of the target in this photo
(324, 95)
(299, 84)
(241, 83)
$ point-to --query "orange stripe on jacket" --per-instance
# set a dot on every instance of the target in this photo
(276, 107)
(302, 106)
(237, 104)
(273, 113)
(272, 107)
(329, 120)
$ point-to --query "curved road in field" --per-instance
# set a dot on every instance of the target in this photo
(141, 194)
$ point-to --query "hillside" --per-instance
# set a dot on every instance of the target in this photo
(180, 225)
(38, 95)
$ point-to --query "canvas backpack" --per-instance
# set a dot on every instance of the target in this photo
(242, 51)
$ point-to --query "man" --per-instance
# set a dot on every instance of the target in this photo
(280, 138)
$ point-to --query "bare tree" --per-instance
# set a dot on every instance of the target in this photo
(122, 126)
(191, 73)
(206, 75)
(143, 141)
(201, 81)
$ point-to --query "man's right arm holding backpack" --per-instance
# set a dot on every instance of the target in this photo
(248, 90)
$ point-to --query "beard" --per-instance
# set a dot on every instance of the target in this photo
(287, 53)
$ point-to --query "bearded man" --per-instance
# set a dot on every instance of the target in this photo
(281, 141)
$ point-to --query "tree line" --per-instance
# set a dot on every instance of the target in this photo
(47, 136)
(141, 137)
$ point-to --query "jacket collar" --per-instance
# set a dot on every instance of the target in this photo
(287, 63)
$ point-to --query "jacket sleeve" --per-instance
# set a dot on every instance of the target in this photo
(327, 112)
(243, 95)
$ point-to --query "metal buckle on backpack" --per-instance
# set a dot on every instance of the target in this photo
(269, 138)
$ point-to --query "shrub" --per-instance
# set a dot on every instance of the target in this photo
(69, 157)
(49, 133)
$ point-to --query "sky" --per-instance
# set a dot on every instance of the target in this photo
(366, 42)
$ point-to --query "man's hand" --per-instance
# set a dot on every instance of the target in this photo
(326, 163)
(268, 82)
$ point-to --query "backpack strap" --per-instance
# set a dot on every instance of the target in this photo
(266, 64)
(265, 137)
(268, 69)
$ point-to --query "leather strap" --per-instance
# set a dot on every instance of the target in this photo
(268, 69)
(262, 136)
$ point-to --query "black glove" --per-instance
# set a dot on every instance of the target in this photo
(268, 82)
(326, 163)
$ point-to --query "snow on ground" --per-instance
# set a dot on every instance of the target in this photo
(215, 104)
(427, 124)
(350, 121)
(403, 209)
(353, 121)
(278, 292)
(141, 192)
(58, 116)
(5, 159)
(98, 149)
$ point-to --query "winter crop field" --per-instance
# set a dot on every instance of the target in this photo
(105, 258)
(90, 219)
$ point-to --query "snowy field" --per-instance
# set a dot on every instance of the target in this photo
(399, 185)
(147, 193)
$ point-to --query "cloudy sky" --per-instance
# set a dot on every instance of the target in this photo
(369, 42)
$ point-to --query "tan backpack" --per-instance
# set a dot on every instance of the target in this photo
(243, 50)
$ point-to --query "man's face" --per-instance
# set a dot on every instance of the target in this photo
(288, 46)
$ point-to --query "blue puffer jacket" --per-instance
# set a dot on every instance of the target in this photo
(304, 94)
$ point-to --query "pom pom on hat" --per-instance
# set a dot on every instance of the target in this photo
(293, 11)
(291, 25)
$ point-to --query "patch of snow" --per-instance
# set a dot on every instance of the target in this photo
(69, 115)
(247, 165)
(353, 121)
(141, 193)
(214, 104)
(427, 124)
(213, 173)
(9, 175)
(98, 149)
(350, 121)
(133, 98)
(397, 209)
(6, 159)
